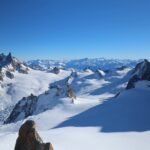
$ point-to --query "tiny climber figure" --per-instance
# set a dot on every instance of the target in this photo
(29, 139)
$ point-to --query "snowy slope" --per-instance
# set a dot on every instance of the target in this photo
(117, 123)
(83, 86)
(18, 81)
(105, 115)
(22, 85)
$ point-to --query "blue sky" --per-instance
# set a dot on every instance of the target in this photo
(63, 29)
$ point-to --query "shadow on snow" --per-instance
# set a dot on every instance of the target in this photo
(130, 111)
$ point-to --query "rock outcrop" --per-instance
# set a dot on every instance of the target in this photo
(70, 93)
(23, 109)
(1, 75)
(64, 87)
(9, 74)
(140, 72)
(29, 139)
(56, 70)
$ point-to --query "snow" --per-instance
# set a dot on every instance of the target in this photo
(89, 136)
(97, 119)
(36, 82)
(94, 63)
(86, 138)
(62, 128)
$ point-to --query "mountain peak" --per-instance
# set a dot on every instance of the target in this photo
(9, 64)
(9, 57)
(141, 72)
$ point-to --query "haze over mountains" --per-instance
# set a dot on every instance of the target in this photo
(93, 63)
(77, 104)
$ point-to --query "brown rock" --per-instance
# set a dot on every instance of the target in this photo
(29, 139)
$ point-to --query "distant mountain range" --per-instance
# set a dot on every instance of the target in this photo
(80, 64)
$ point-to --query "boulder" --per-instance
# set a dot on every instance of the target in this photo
(29, 139)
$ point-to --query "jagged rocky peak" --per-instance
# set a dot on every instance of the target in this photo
(140, 72)
(8, 59)
(24, 108)
(9, 64)
(2, 58)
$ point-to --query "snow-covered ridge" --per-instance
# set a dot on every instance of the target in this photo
(18, 81)
(77, 85)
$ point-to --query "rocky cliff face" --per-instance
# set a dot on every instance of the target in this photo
(6, 60)
(23, 109)
(9, 64)
(140, 72)
(1, 75)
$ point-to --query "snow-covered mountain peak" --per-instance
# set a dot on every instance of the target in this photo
(142, 69)
(6, 60)
(9, 64)
(140, 72)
